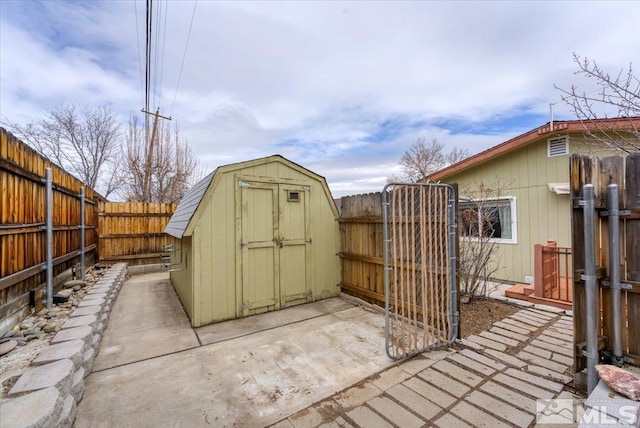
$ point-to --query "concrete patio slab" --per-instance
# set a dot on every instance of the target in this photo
(321, 364)
(147, 321)
(218, 332)
(253, 380)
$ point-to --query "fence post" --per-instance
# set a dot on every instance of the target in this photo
(538, 271)
(591, 328)
(49, 236)
(613, 206)
(82, 233)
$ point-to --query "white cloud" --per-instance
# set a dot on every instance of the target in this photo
(316, 81)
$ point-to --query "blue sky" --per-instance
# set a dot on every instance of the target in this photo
(343, 88)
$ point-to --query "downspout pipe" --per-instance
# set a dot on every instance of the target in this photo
(613, 207)
(591, 286)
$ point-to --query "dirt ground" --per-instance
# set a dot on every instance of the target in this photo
(479, 314)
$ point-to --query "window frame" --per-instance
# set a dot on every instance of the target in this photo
(514, 221)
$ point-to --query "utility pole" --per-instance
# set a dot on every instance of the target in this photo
(146, 184)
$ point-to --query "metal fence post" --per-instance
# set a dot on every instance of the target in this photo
(590, 286)
(49, 236)
(82, 233)
(613, 206)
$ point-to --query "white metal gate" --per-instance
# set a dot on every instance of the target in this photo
(420, 242)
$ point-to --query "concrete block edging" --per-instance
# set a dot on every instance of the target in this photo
(25, 407)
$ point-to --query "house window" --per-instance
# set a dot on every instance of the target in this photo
(557, 146)
(489, 218)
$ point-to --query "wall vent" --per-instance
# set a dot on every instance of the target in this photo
(558, 146)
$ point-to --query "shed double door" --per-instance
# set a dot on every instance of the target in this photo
(275, 246)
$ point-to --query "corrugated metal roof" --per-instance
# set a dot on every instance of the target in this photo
(187, 207)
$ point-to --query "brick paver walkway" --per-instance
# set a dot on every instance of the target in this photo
(493, 380)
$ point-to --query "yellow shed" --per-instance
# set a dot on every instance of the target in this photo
(253, 237)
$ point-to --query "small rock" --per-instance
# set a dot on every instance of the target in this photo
(30, 332)
(620, 380)
(41, 324)
(50, 327)
(7, 347)
(8, 334)
(66, 292)
(43, 312)
(6, 339)
(77, 288)
(63, 314)
(53, 311)
(74, 282)
(38, 335)
(26, 324)
(21, 342)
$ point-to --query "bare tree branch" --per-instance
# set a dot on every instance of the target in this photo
(82, 141)
(423, 159)
(615, 96)
(173, 167)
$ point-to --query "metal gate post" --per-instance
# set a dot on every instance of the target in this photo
(49, 236)
(385, 251)
(82, 231)
(591, 287)
(453, 261)
(613, 207)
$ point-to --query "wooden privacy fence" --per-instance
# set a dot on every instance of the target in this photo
(601, 172)
(22, 218)
(361, 250)
(133, 231)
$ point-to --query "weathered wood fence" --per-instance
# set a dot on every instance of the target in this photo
(22, 218)
(132, 231)
(361, 250)
(115, 232)
(601, 172)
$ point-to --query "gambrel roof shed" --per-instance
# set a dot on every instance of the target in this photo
(253, 237)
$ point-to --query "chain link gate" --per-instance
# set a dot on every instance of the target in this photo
(420, 242)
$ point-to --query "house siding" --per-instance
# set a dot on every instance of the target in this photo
(541, 214)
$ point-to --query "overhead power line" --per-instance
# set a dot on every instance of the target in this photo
(135, 7)
(184, 56)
